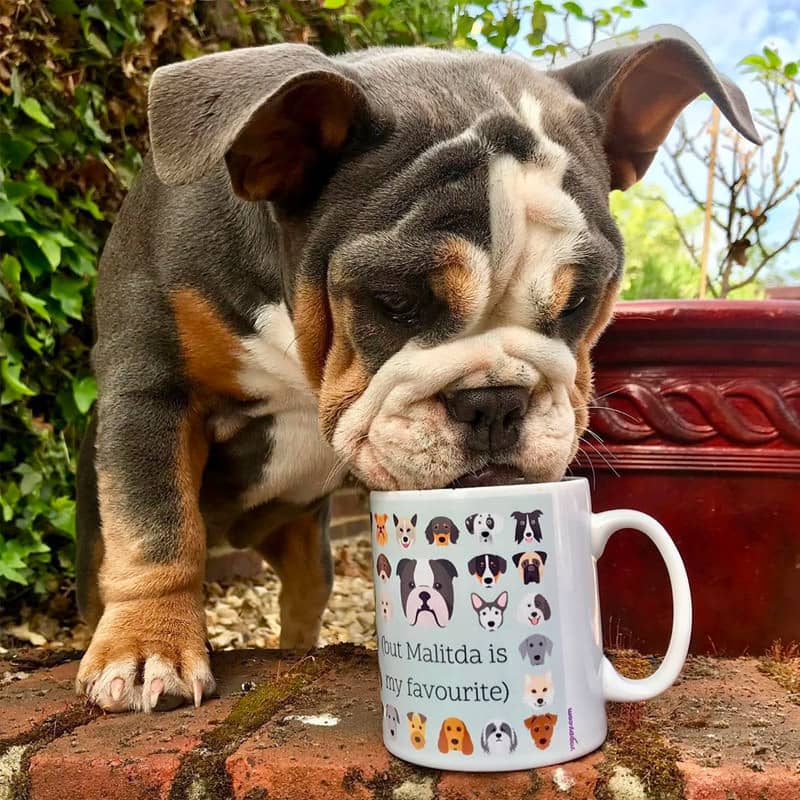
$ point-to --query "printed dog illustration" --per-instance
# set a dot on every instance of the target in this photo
(533, 608)
(487, 568)
(530, 565)
(498, 738)
(454, 737)
(537, 691)
(536, 648)
(383, 567)
(484, 526)
(385, 607)
(405, 530)
(416, 729)
(381, 536)
(426, 591)
(527, 529)
(541, 728)
(391, 720)
(441, 531)
(490, 612)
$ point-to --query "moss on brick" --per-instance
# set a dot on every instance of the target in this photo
(782, 664)
(635, 744)
(402, 781)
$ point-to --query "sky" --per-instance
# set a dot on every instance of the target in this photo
(728, 30)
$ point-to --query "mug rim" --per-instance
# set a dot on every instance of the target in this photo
(512, 489)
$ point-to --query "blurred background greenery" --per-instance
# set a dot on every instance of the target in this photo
(73, 78)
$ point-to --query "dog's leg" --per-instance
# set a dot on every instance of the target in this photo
(300, 553)
(149, 646)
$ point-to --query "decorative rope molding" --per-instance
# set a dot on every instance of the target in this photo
(659, 414)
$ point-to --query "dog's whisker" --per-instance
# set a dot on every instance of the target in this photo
(599, 453)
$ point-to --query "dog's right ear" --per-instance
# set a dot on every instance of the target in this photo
(394, 517)
(472, 565)
(516, 558)
(278, 115)
(469, 522)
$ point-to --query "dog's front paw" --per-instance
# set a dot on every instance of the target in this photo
(148, 655)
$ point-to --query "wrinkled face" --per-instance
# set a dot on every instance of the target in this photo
(426, 591)
(458, 333)
(538, 690)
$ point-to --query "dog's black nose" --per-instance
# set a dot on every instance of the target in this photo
(493, 414)
(424, 596)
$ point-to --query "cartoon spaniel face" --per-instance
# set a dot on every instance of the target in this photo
(385, 607)
(530, 566)
(426, 591)
(405, 530)
(537, 691)
(391, 720)
(441, 531)
(484, 526)
(490, 612)
(381, 536)
(527, 529)
(536, 648)
(416, 729)
(533, 609)
(383, 568)
(541, 728)
(487, 568)
(454, 737)
(498, 738)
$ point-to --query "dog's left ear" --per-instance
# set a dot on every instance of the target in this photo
(469, 522)
(640, 89)
(278, 115)
(453, 532)
(542, 555)
(466, 746)
(443, 744)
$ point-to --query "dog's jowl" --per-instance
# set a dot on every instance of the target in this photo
(392, 263)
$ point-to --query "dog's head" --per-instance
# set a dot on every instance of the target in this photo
(380, 527)
(385, 607)
(484, 526)
(426, 591)
(441, 531)
(490, 612)
(487, 568)
(541, 728)
(530, 565)
(416, 729)
(454, 737)
(527, 529)
(445, 243)
(391, 718)
(537, 691)
(498, 737)
(405, 530)
(533, 609)
(536, 648)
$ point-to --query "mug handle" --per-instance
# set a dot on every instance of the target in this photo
(615, 686)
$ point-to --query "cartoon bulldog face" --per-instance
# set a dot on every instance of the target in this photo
(426, 591)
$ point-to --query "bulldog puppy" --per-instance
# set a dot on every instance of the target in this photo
(393, 263)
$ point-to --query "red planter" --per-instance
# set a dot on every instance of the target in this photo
(699, 414)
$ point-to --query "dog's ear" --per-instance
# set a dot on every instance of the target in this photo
(443, 746)
(477, 601)
(548, 646)
(472, 565)
(466, 745)
(423, 719)
(448, 566)
(528, 723)
(402, 566)
(414, 520)
(410, 716)
(523, 648)
(453, 532)
(429, 532)
(536, 514)
(518, 516)
(394, 517)
(501, 562)
(278, 115)
(516, 558)
(502, 600)
(469, 522)
(513, 737)
(540, 601)
(640, 89)
(542, 555)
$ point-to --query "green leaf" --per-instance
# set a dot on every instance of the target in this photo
(84, 392)
(10, 213)
(31, 479)
(68, 293)
(790, 70)
(30, 105)
(96, 43)
(11, 380)
(51, 249)
(638, 4)
(574, 9)
(11, 269)
(333, 4)
(773, 58)
(63, 8)
(754, 61)
(35, 304)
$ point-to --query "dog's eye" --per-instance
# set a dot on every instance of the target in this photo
(412, 585)
(437, 586)
(572, 306)
(397, 306)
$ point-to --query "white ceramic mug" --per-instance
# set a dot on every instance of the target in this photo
(488, 624)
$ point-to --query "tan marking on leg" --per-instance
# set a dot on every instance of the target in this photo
(563, 282)
(454, 282)
(312, 325)
(295, 551)
(212, 353)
